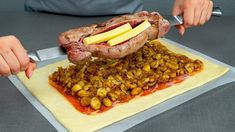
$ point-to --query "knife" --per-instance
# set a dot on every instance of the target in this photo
(47, 54)
(178, 20)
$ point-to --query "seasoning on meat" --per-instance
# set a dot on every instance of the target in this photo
(102, 83)
(82, 43)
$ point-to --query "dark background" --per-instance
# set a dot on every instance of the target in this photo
(163, 6)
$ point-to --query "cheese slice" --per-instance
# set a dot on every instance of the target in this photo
(130, 34)
(103, 37)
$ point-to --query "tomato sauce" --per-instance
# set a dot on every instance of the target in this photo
(71, 99)
(162, 86)
(89, 110)
(126, 99)
(104, 108)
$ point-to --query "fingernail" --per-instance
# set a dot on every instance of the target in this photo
(182, 33)
(30, 74)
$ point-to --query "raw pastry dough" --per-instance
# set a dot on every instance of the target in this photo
(73, 120)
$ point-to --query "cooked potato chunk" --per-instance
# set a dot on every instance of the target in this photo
(76, 87)
(136, 91)
(107, 102)
(95, 103)
(85, 101)
(147, 68)
(102, 92)
(83, 93)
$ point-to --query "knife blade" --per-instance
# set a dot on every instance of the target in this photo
(178, 20)
(47, 54)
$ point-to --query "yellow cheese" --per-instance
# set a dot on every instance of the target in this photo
(103, 37)
(130, 34)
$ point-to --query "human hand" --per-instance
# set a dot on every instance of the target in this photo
(14, 58)
(194, 12)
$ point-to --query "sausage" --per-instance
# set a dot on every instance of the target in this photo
(72, 40)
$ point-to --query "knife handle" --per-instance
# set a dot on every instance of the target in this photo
(217, 12)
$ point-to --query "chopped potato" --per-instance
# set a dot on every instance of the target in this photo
(107, 102)
(95, 103)
(76, 87)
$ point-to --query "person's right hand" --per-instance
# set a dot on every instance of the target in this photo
(194, 12)
(14, 58)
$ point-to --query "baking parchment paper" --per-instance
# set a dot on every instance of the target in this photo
(142, 116)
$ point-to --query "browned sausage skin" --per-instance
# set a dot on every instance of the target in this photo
(72, 40)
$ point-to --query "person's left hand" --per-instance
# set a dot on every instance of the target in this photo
(194, 12)
(14, 58)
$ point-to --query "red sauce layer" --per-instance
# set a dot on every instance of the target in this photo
(162, 86)
(89, 110)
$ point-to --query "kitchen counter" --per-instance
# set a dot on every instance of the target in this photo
(212, 111)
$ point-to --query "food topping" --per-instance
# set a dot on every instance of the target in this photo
(107, 39)
(103, 37)
(100, 84)
(117, 35)
(130, 34)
